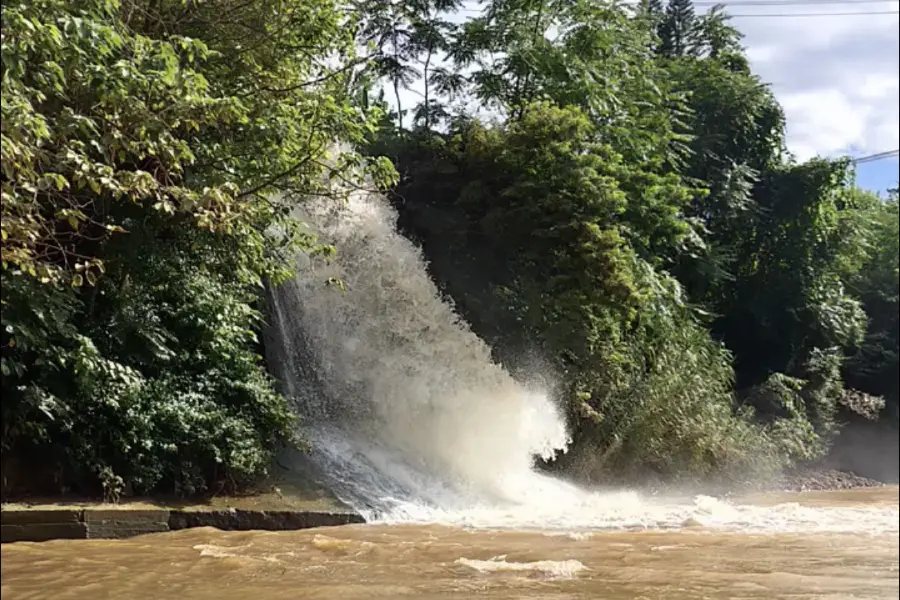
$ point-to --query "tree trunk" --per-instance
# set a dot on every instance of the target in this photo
(397, 78)
(425, 79)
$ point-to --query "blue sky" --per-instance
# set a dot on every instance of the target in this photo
(878, 176)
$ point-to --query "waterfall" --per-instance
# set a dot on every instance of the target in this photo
(400, 399)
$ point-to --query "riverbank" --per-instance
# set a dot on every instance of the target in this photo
(799, 479)
(289, 501)
(824, 479)
(284, 501)
(43, 522)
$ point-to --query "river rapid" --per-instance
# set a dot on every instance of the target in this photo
(822, 545)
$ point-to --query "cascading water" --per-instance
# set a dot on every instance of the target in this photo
(403, 401)
(410, 420)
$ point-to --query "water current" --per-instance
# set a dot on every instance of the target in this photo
(437, 561)
(413, 424)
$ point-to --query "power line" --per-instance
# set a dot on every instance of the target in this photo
(759, 3)
(875, 157)
(788, 2)
(828, 14)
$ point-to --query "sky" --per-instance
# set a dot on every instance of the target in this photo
(879, 176)
(837, 77)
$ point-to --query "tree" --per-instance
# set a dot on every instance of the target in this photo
(677, 29)
(716, 38)
(872, 367)
(737, 130)
(529, 227)
(386, 28)
(787, 310)
(143, 144)
(432, 36)
(407, 39)
(788, 329)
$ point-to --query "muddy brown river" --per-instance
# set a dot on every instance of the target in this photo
(857, 559)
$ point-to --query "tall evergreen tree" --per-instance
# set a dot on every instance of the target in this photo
(676, 31)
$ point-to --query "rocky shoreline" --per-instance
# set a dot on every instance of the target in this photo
(823, 480)
(802, 479)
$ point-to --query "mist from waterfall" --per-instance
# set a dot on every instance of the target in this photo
(400, 397)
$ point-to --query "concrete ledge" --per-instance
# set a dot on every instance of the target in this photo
(20, 523)
(42, 532)
(103, 523)
(41, 516)
(289, 498)
(258, 519)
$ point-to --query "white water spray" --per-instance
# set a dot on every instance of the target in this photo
(409, 418)
(405, 384)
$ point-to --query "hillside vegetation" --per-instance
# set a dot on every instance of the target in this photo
(603, 190)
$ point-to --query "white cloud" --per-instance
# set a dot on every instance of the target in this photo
(838, 77)
(824, 121)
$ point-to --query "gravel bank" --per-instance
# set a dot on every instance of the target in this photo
(823, 479)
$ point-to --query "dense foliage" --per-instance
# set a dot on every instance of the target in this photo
(142, 144)
(626, 217)
(706, 304)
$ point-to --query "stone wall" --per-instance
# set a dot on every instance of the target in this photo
(36, 524)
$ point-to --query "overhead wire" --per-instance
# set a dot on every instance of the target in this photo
(827, 14)
(876, 157)
(787, 2)
(782, 3)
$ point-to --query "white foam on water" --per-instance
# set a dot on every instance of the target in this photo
(213, 551)
(554, 569)
(577, 517)
(410, 420)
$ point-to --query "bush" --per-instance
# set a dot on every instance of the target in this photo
(143, 147)
(154, 380)
(669, 411)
